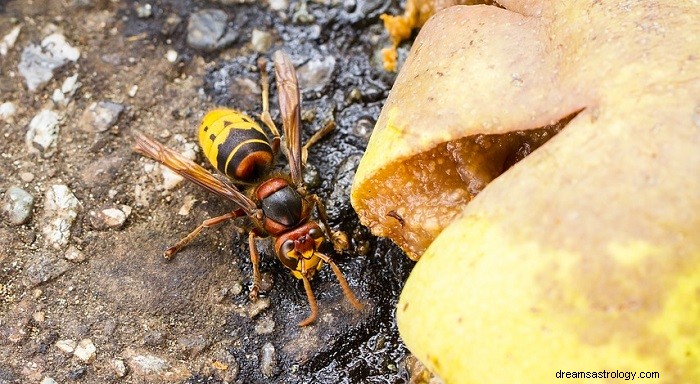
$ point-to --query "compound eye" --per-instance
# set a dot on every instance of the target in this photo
(287, 255)
(315, 233)
(286, 249)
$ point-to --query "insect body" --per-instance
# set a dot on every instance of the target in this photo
(278, 207)
(236, 145)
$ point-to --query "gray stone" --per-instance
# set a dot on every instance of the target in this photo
(119, 367)
(315, 74)
(38, 62)
(154, 369)
(85, 351)
(268, 363)
(261, 40)
(100, 116)
(8, 41)
(7, 111)
(42, 133)
(193, 345)
(60, 210)
(209, 30)
(17, 206)
(44, 268)
(109, 217)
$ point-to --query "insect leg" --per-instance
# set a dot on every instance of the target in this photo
(265, 115)
(255, 260)
(312, 300)
(343, 283)
(339, 239)
(320, 134)
(205, 224)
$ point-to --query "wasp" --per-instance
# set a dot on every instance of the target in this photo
(277, 206)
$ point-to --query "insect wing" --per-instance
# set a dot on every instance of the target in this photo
(289, 99)
(190, 170)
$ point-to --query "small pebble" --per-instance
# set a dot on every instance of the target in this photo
(208, 30)
(67, 346)
(38, 62)
(100, 116)
(17, 206)
(70, 85)
(171, 23)
(154, 338)
(48, 380)
(7, 111)
(261, 40)
(152, 369)
(111, 217)
(315, 74)
(77, 373)
(119, 367)
(144, 11)
(58, 97)
(9, 40)
(193, 345)
(363, 128)
(44, 268)
(355, 95)
(279, 5)
(148, 363)
(74, 254)
(187, 205)
(170, 178)
(27, 177)
(267, 360)
(171, 55)
(63, 95)
(132, 91)
(85, 350)
(60, 210)
(42, 133)
(302, 14)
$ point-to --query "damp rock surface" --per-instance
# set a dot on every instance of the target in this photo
(85, 270)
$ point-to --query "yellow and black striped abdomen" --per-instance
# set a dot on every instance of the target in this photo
(235, 145)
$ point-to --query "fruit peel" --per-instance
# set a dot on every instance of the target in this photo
(585, 255)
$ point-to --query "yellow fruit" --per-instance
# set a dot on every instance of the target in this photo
(585, 255)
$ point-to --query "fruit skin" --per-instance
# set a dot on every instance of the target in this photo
(585, 256)
(511, 310)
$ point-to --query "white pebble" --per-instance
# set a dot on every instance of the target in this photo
(279, 5)
(119, 367)
(7, 110)
(38, 62)
(74, 254)
(60, 210)
(9, 40)
(66, 346)
(133, 90)
(42, 133)
(171, 55)
(85, 350)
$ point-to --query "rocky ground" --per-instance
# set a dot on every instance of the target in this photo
(85, 295)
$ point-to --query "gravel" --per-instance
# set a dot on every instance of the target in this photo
(209, 30)
(42, 133)
(40, 61)
(17, 206)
